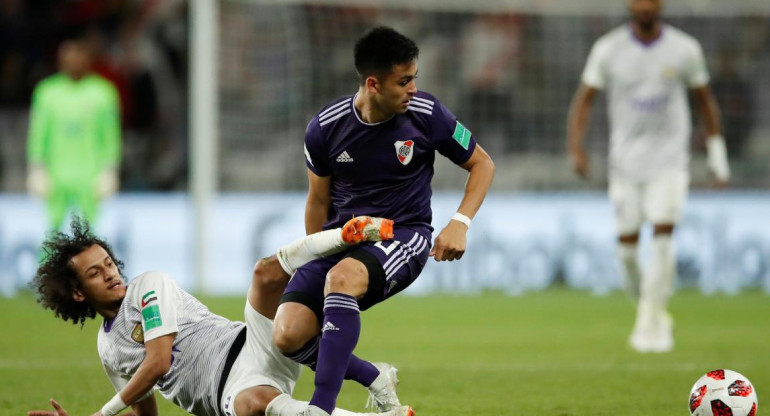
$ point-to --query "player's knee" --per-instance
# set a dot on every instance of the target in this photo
(347, 277)
(268, 275)
(288, 338)
(254, 401)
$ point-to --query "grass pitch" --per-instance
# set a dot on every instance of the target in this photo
(558, 352)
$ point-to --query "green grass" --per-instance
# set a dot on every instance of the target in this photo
(551, 353)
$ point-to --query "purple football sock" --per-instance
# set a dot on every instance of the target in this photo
(307, 355)
(340, 330)
(360, 371)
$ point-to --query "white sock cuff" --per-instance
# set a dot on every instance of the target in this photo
(309, 248)
(284, 405)
(283, 260)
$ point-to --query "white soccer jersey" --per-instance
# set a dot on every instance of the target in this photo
(155, 306)
(647, 87)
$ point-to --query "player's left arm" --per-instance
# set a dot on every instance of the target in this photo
(697, 79)
(110, 142)
(110, 126)
(451, 241)
(715, 143)
(146, 407)
(156, 363)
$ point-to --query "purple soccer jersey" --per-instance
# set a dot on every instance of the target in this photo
(384, 169)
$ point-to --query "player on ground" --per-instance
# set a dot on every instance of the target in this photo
(156, 335)
(372, 153)
(647, 68)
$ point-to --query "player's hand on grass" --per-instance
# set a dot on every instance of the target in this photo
(58, 411)
(450, 243)
(580, 162)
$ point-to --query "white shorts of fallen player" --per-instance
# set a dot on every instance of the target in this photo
(658, 200)
(259, 363)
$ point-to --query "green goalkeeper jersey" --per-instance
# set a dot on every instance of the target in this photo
(74, 128)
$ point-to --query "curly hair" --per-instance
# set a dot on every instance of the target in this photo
(56, 279)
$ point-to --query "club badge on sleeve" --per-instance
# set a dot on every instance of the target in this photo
(137, 334)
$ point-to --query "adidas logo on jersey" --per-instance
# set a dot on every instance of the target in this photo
(344, 157)
(329, 327)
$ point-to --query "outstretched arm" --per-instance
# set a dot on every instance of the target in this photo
(577, 120)
(450, 243)
(156, 363)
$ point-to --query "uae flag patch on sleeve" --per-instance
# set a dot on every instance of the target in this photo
(151, 311)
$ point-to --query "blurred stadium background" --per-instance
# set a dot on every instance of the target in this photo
(508, 69)
(204, 201)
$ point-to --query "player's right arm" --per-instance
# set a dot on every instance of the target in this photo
(146, 407)
(318, 202)
(157, 298)
(577, 120)
(319, 175)
(156, 363)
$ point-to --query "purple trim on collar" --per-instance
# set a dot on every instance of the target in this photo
(645, 43)
(107, 325)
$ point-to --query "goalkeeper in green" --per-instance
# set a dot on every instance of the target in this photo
(74, 143)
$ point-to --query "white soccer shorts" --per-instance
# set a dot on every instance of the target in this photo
(259, 363)
(658, 200)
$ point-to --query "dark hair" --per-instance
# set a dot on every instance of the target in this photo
(381, 48)
(56, 279)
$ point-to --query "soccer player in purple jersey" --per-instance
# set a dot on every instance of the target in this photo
(372, 153)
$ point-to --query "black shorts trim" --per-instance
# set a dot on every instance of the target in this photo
(235, 349)
(308, 300)
(376, 290)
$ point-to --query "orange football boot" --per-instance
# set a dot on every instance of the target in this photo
(369, 229)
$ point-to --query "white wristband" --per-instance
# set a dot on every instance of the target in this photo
(462, 218)
(114, 406)
(717, 157)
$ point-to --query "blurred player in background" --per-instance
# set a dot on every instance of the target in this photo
(372, 153)
(647, 68)
(157, 336)
(74, 146)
